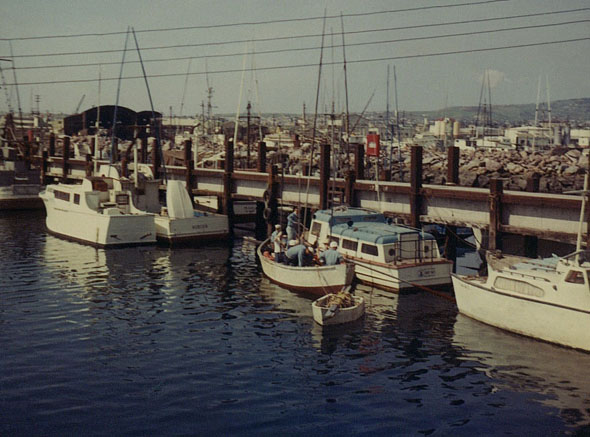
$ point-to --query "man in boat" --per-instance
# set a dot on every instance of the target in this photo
(275, 239)
(331, 256)
(292, 225)
(298, 254)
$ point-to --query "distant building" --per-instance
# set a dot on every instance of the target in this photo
(127, 121)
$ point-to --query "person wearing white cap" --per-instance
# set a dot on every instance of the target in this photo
(331, 256)
(298, 254)
(275, 239)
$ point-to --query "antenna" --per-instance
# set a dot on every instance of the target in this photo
(538, 98)
(209, 94)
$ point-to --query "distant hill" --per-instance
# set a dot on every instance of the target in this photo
(573, 110)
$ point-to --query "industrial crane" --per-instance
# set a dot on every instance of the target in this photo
(79, 104)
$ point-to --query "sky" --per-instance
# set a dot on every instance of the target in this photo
(267, 52)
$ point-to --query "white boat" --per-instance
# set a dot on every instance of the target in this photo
(544, 299)
(99, 211)
(325, 313)
(178, 221)
(316, 280)
(387, 255)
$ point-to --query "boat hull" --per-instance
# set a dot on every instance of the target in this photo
(534, 318)
(317, 280)
(100, 230)
(191, 229)
(344, 315)
(395, 278)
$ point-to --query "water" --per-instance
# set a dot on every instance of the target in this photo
(151, 341)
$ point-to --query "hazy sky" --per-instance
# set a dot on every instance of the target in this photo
(214, 36)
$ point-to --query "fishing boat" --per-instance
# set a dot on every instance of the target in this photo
(99, 211)
(544, 299)
(178, 221)
(337, 309)
(391, 256)
(317, 279)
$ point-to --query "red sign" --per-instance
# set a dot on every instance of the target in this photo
(372, 144)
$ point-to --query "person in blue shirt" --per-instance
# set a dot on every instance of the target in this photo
(292, 225)
(331, 256)
(298, 254)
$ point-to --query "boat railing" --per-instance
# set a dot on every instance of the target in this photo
(418, 252)
(579, 257)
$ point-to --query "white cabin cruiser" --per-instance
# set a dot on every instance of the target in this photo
(389, 256)
(99, 211)
(544, 299)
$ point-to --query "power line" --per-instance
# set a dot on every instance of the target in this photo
(283, 67)
(275, 51)
(256, 40)
(256, 23)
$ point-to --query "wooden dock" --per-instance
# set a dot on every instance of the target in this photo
(538, 215)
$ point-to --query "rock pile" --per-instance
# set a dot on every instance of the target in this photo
(559, 170)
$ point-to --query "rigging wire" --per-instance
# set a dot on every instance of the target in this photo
(294, 66)
(256, 23)
(291, 37)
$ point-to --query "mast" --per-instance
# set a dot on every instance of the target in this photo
(315, 117)
(117, 101)
(96, 134)
(20, 111)
(345, 89)
(159, 149)
(399, 144)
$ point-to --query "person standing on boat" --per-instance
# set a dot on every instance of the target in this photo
(331, 256)
(298, 254)
(292, 225)
(275, 239)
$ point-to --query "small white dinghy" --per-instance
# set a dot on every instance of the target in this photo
(338, 308)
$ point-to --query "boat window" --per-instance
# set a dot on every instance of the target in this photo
(122, 199)
(369, 249)
(574, 277)
(76, 198)
(99, 185)
(349, 244)
(520, 287)
(62, 195)
(316, 228)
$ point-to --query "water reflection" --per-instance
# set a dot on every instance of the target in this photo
(516, 363)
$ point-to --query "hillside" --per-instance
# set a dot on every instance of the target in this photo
(573, 110)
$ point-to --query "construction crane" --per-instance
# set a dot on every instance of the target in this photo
(79, 104)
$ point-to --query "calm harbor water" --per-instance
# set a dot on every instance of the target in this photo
(152, 341)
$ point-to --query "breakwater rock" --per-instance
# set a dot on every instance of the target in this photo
(558, 170)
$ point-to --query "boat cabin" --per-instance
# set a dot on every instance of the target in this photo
(368, 235)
